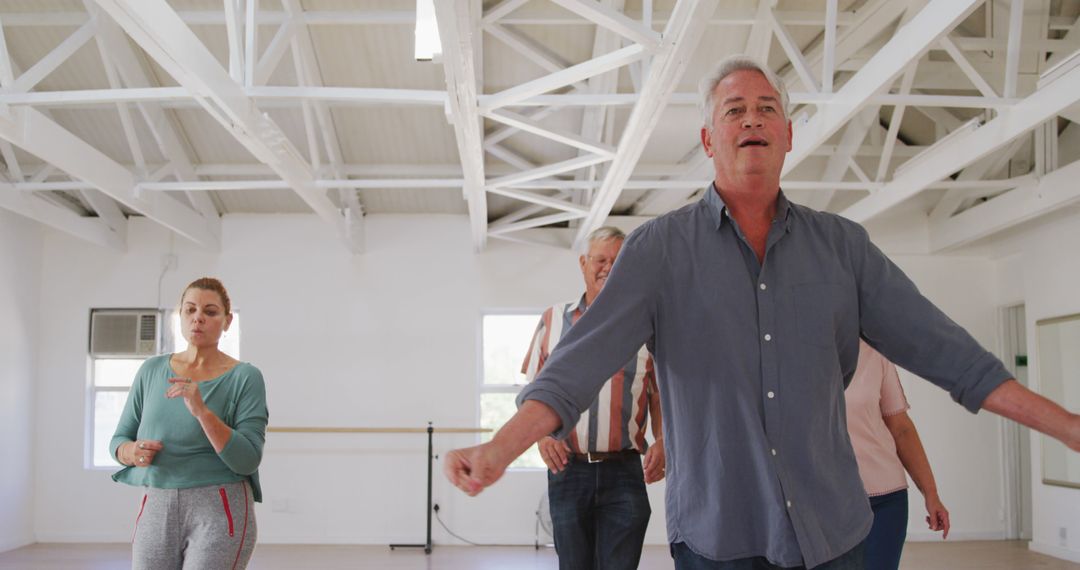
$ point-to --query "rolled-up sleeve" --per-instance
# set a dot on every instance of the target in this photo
(611, 331)
(902, 324)
(243, 453)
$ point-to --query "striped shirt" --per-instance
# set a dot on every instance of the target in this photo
(615, 421)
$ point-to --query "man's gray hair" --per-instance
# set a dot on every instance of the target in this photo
(603, 233)
(730, 65)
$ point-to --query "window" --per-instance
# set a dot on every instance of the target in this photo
(110, 382)
(505, 340)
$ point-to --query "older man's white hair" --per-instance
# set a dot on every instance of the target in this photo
(730, 65)
(603, 233)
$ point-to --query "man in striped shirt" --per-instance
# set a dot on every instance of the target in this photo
(596, 483)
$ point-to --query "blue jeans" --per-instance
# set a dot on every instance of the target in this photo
(599, 512)
(886, 539)
(686, 559)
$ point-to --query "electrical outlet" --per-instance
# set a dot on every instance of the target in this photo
(281, 506)
(1063, 536)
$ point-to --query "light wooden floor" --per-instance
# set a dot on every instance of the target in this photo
(999, 555)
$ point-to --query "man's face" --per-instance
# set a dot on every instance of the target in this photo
(749, 135)
(596, 264)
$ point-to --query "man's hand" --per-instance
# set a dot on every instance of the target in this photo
(473, 469)
(655, 462)
(555, 453)
(937, 516)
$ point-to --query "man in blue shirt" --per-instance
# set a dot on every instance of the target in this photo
(753, 308)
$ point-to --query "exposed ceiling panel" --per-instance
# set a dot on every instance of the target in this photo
(389, 119)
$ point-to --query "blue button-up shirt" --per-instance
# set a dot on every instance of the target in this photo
(752, 361)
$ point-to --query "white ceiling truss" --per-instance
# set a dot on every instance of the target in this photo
(558, 113)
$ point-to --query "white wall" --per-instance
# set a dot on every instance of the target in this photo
(1040, 267)
(389, 338)
(20, 277)
(964, 449)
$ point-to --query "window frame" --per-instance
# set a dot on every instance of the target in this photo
(486, 388)
(92, 390)
(171, 342)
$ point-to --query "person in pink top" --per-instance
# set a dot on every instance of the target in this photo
(886, 443)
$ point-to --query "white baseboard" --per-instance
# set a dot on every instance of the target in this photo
(1055, 551)
(383, 541)
(9, 543)
(84, 537)
(955, 535)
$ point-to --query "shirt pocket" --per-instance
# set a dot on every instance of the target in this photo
(824, 312)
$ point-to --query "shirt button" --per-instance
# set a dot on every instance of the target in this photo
(771, 395)
(762, 286)
(789, 504)
(768, 337)
(773, 452)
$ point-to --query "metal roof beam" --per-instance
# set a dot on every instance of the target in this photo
(459, 26)
(271, 57)
(570, 139)
(795, 55)
(308, 73)
(568, 76)
(736, 17)
(840, 162)
(597, 122)
(870, 21)
(547, 170)
(987, 165)
(534, 223)
(1036, 197)
(905, 47)
(614, 20)
(7, 78)
(163, 35)
(697, 167)
(35, 133)
(680, 39)
(289, 96)
(55, 58)
(531, 49)
(37, 209)
(114, 46)
(966, 147)
(496, 12)
(546, 201)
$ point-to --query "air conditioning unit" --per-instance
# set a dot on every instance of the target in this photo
(125, 333)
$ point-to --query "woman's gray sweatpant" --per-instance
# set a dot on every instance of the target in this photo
(200, 528)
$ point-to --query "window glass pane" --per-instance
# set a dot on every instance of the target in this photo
(107, 408)
(495, 410)
(506, 340)
(116, 371)
(229, 343)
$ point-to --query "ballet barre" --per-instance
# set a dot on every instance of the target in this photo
(430, 430)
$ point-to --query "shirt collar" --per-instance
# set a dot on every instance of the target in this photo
(581, 304)
(718, 210)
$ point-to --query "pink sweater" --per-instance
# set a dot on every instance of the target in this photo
(873, 394)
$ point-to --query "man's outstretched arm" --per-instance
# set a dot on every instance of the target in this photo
(473, 469)
(1014, 401)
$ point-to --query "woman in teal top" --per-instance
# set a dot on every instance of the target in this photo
(192, 434)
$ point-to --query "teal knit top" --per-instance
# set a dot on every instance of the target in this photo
(187, 459)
